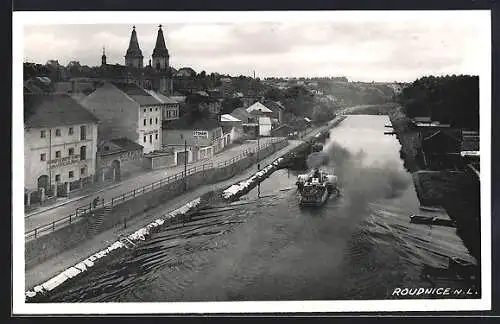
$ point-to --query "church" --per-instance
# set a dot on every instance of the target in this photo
(157, 75)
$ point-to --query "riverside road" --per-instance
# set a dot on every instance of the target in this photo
(359, 246)
(50, 214)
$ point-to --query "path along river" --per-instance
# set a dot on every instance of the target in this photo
(359, 246)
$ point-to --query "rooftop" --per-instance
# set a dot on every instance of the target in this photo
(50, 110)
(259, 107)
(126, 144)
(136, 93)
(187, 122)
(229, 118)
(162, 98)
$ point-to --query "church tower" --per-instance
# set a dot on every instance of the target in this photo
(134, 57)
(160, 53)
(103, 57)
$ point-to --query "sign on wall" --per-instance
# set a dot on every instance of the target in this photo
(200, 134)
(151, 132)
(67, 160)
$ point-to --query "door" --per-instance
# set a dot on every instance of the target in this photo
(43, 182)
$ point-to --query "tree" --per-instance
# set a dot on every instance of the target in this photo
(449, 99)
(230, 104)
(274, 94)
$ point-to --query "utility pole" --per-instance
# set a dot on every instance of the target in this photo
(258, 152)
(50, 158)
(185, 165)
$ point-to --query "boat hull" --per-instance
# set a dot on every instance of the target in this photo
(314, 201)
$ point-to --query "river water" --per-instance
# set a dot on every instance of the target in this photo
(358, 246)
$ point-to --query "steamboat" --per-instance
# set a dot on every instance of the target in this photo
(316, 187)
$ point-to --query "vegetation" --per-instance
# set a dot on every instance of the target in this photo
(449, 99)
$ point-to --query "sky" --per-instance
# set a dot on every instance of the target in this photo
(370, 50)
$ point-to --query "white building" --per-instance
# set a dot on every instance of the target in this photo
(127, 111)
(60, 144)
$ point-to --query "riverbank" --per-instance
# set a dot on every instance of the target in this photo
(51, 267)
(455, 191)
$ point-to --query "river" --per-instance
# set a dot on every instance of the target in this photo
(358, 246)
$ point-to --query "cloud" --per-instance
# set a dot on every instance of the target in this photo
(371, 50)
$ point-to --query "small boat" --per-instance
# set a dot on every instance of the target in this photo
(316, 187)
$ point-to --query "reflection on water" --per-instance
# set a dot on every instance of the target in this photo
(359, 246)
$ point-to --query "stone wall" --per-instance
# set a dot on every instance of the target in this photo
(48, 245)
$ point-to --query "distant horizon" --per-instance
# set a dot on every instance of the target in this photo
(283, 77)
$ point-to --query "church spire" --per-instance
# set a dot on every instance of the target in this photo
(103, 57)
(160, 49)
(134, 54)
(160, 53)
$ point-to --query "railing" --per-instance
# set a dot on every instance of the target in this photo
(91, 207)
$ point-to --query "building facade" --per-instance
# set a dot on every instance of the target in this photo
(60, 144)
(117, 158)
(127, 111)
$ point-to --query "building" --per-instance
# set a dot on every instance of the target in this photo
(265, 126)
(196, 140)
(117, 158)
(440, 150)
(170, 108)
(259, 109)
(469, 148)
(248, 122)
(126, 110)
(157, 75)
(263, 117)
(278, 109)
(60, 145)
(231, 126)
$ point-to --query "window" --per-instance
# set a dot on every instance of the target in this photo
(144, 139)
(144, 122)
(150, 109)
(144, 110)
(70, 174)
(58, 154)
(43, 157)
(182, 136)
(71, 151)
(168, 113)
(70, 131)
(83, 171)
(156, 136)
(58, 177)
(156, 120)
(83, 133)
(156, 109)
(150, 121)
(150, 138)
(83, 153)
(58, 132)
(42, 134)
